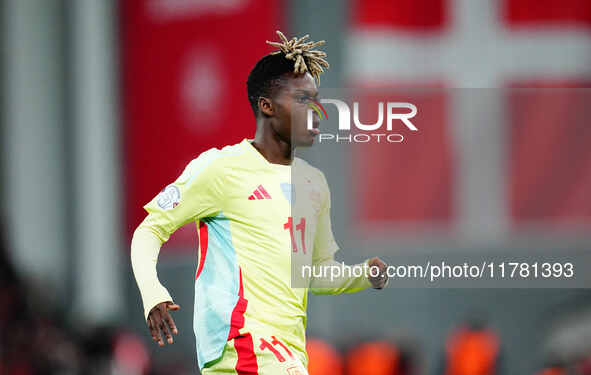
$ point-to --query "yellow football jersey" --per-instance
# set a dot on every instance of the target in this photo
(250, 240)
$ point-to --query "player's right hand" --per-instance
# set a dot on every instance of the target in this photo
(160, 322)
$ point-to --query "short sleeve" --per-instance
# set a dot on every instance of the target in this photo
(194, 195)
(324, 243)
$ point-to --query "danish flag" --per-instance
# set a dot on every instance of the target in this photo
(486, 163)
(259, 193)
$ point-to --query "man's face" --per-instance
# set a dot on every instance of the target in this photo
(291, 104)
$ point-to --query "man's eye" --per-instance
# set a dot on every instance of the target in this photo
(303, 99)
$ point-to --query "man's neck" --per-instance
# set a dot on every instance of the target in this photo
(275, 150)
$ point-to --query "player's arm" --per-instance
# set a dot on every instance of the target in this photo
(145, 246)
(345, 280)
(340, 278)
(192, 196)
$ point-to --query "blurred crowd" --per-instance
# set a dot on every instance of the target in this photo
(472, 348)
(32, 339)
(35, 337)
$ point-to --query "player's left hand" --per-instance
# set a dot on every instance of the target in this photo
(380, 280)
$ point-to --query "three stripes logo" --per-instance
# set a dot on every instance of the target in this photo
(259, 193)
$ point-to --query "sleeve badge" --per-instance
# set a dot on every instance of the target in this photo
(169, 197)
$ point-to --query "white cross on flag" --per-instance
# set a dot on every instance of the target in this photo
(490, 160)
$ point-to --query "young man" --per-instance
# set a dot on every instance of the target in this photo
(248, 319)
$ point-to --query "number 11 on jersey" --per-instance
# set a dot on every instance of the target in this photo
(300, 227)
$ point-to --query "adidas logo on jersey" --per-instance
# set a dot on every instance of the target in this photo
(259, 193)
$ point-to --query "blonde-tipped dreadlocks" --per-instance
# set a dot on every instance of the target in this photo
(270, 73)
(306, 59)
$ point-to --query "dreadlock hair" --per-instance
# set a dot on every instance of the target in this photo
(293, 56)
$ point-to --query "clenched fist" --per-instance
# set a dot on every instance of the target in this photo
(378, 279)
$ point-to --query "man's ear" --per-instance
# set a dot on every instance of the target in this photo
(265, 106)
